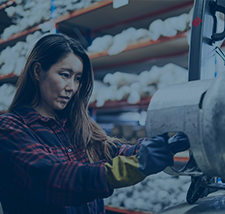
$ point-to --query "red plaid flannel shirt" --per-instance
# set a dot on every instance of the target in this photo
(42, 173)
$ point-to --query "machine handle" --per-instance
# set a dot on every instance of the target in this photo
(214, 7)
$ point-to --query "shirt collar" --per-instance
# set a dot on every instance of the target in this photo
(30, 115)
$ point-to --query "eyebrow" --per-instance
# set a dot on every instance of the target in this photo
(71, 70)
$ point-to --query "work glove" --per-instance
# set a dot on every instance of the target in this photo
(153, 156)
(178, 143)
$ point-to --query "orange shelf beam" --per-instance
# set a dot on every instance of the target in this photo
(144, 102)
(7, 4)
(7, 76)
(123, 210)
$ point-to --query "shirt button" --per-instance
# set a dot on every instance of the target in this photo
(69, 150)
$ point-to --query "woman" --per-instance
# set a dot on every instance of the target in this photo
(54, 158)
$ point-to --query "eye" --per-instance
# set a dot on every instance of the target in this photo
(64, 75)
(78, 78)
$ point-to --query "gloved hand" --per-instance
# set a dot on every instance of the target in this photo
(153, 156)
(178, 143)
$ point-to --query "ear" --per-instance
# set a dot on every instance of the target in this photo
(37, 70)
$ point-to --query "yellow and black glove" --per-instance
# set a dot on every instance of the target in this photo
(153, 156)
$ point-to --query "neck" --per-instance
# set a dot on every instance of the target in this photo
(45, 112)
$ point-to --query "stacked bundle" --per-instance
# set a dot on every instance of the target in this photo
(28, 13)
(153, 194)
(118, 43)
(7, 92)
(66, 6)
(25, 15)
(133, 87)
(18, 52)
(3, 1)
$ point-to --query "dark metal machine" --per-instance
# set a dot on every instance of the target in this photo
(197, 108)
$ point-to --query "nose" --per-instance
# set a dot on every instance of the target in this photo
(71, 86)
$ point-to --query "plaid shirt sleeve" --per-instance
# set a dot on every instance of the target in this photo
(34, 171)
(128, 150)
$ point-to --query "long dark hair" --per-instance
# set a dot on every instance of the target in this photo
(83, 131)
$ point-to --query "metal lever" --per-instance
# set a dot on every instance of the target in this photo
(195, 190)
(202, 186)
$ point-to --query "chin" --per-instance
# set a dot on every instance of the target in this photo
(60, 107)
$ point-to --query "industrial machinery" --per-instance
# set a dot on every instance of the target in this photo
(197, 108)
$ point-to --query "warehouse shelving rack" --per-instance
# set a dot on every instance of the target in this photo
(100, 18)
(138, 52)
(113, 21)
(162, 48)
(134, 14)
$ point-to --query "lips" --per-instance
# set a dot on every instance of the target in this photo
(64, 99)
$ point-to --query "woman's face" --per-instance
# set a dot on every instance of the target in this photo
(59, 84)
